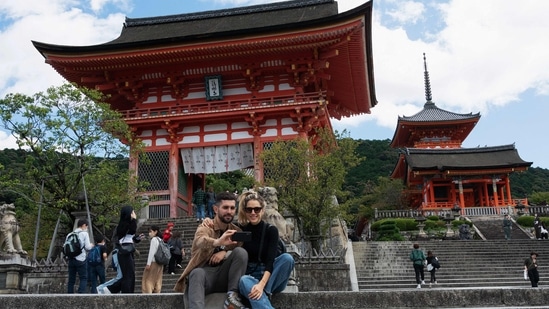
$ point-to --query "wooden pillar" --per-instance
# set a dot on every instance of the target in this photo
(508, 185)
(502, 196)
(172, 178)
(478, 187)
(258, 164)
(431, 191)
(486, 195)
(495, 190)
(461, 197)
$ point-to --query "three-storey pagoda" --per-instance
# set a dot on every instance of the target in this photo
(207, 92)
(438, 173)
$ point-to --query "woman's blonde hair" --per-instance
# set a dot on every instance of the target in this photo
(243, 201)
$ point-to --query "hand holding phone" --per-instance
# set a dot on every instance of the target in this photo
(242, 236)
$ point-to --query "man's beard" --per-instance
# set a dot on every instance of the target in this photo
(226, 218)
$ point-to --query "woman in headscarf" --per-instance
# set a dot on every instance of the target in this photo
(125, 238)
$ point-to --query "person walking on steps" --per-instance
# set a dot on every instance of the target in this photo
(432, 266)
(418, 259)
(531, 266)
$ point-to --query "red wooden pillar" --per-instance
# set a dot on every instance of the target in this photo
(172, 178)
(508, 185)
(485, 188)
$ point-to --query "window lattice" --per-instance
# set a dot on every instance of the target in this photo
(156, 171)
(267, 172)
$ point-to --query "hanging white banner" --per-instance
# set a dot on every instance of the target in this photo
(217, 159)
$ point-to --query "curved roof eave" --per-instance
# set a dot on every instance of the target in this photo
(363, 10)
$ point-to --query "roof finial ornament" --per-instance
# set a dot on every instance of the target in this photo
(428, 96)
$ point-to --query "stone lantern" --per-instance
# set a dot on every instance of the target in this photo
(520, 208)
(456, 210)
(421, 225)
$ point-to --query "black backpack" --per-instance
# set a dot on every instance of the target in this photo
(162, 255)
(94, 257)
(72, 247)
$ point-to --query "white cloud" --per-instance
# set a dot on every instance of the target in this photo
(7, 141)
(408, 12)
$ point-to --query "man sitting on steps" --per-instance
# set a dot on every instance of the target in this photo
(217, 262)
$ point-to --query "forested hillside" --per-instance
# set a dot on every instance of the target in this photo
(378, 161)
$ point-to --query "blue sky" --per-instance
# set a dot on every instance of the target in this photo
(485, 56)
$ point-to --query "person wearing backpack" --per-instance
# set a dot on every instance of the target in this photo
(176, 249)
(152, 275)
(96, 263)
(418, 258)
(77, 259)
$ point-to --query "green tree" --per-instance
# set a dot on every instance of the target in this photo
(308, 179)
(386, 194)
(539, 198)
(69, 132)
(236, 180)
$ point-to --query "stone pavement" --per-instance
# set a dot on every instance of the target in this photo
(403, 298)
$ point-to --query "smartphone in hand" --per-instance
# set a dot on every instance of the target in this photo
(242, 236)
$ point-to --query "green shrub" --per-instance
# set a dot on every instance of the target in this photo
(457, 223)
(434, 224)
(388, 230)
(526, 221)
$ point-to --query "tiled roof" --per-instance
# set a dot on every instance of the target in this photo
(133, 22)
(210, 23)
(431, 112)
(464, 158)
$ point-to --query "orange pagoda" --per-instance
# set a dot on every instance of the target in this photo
(207, 92)
(439, 174)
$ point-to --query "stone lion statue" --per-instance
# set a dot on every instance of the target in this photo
(9, 230)
(272, 216)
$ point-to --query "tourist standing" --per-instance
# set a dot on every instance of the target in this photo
(96, 265)
(210, 200)
(198, 200)
(507, 226)
(152, 275)
(78, 264)
(537, 226)
(418, 259)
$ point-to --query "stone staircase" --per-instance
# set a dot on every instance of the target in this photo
(385, 265)
(492, 228)
(187, 226)
(464, 264)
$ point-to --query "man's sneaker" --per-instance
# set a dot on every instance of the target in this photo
(179, 266)
(419, 286)
(422, 282)
(233, 301)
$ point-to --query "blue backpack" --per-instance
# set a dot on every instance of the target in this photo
(94, 257)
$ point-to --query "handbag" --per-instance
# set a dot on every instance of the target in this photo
(429, 267)
(126, 248)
